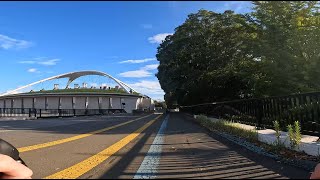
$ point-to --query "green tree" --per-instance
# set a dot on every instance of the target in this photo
(208, 58)
(161, 104)
(288, 45)
(275, 50)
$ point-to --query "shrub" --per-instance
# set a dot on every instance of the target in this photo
(297, 133)
(227, 127)
(294, 133)
(201, 117)
(291, 136)
(276, 126)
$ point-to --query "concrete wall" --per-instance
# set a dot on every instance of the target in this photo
(131, 104)
(8, 103)
(145, 103)
(152, 105)
(53, 102)
(93, 103)
(116, 103)
(139, 104)
(105, 103)
(27, 102)
(40, 103)
(1, 103)
(110, 103)
(80, 103)
(66, 103)
(17, 103)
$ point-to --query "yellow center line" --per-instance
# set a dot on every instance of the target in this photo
(73, 138)
(81, 168)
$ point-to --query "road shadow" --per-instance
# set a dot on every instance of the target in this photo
(190, 151)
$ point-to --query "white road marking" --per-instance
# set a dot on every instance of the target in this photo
(5, 130)
(149, 166)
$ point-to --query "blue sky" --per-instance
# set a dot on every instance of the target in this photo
(42, 39)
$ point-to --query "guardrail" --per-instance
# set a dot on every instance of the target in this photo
(41, 113)
(261, 112)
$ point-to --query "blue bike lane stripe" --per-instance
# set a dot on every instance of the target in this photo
(150, 163)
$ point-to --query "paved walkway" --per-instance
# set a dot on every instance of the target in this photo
(189, 152)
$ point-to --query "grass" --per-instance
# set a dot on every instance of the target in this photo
(112, 90)
(228, 127)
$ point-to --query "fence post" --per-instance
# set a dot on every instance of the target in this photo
(259, 112)
(59, 111)
(74, 112)
(40, 112)
(35, 112)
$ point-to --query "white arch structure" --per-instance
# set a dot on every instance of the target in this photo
(73, 76)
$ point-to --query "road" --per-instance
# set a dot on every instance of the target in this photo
(126, 146)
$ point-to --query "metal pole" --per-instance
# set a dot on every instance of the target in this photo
(259, 113)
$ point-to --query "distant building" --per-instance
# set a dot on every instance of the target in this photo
(68, 99)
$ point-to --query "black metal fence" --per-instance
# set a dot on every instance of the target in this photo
(41, 113)
(261, 112)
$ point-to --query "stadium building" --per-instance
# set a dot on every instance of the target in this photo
(70, 95)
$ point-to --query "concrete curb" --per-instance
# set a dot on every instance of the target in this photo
(17, 118)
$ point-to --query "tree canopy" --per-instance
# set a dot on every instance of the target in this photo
(274, 50)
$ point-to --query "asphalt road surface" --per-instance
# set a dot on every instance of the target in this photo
(127, 146)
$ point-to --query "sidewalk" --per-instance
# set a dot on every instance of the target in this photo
(189, 152)
(309, 144)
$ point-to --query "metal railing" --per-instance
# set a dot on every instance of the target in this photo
(41, 113)
(261, 112)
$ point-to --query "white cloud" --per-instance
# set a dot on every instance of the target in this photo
(150, 88)
(145, 84)
(134, 61)
(27, 62)
(158, 38)
(137, 74)
(150, 67)
(146, 26)
(11, 43)
(32, 70)
(142, 72)
(48, 62)
(237, 6)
